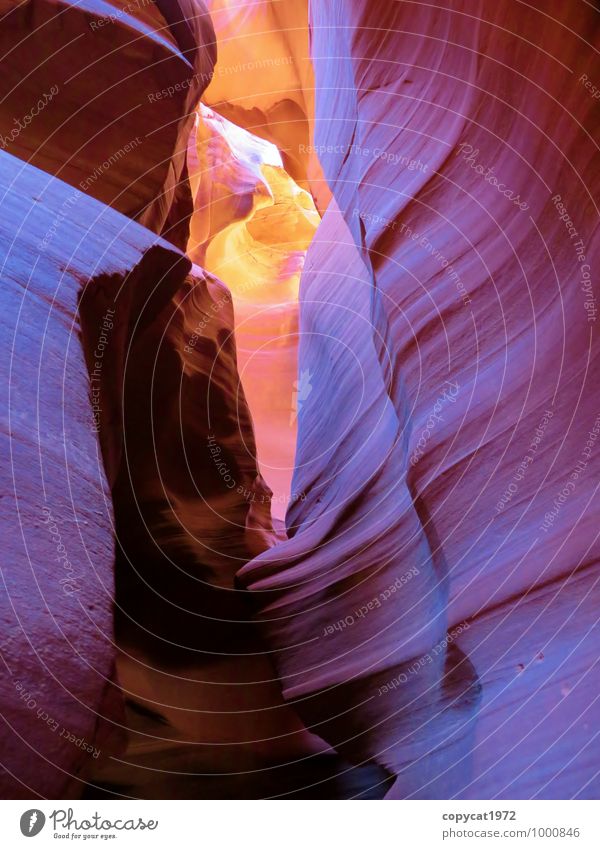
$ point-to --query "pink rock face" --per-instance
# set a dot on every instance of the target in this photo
(121, 345)
(102, 95)
(435, 598)
(57, 643)
(264, 81)
(162, 400)
(251, 227)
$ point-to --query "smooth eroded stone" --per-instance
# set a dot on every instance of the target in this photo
(449, 445)
(264, 81)
(251, 226)
(102, 94)
(58, 652)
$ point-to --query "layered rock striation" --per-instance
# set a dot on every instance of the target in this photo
(435, 598)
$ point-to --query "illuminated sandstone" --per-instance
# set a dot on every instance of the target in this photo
(101, 95)
(264, 81)
(445, 265)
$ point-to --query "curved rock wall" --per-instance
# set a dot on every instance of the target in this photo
(101, 94)
(431, 610)
(77, 268)
(448, 449)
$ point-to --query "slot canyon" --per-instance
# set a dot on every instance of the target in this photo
(300, 399)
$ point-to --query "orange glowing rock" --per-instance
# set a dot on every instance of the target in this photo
(251, 227)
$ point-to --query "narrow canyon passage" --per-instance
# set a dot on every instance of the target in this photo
(202, 695)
